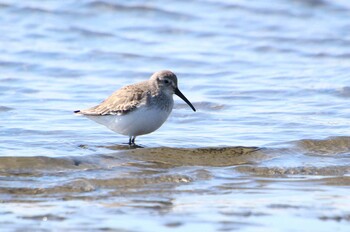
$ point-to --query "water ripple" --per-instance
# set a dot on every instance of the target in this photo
(271, 85)
(148, 9)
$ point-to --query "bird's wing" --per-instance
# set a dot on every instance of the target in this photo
(122, 101)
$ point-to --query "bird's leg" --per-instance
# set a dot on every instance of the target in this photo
(132, 140)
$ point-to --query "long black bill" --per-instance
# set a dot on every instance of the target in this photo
(178, 93)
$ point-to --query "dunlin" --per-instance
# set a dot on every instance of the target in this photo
(140, 108)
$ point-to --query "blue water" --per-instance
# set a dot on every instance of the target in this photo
(269, 76)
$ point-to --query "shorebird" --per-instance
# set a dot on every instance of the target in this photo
(140, 108)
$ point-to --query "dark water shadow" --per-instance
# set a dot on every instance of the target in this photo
(208, 156)
(332, 146)
(123, 146)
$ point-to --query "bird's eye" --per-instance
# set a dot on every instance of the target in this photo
(166, 81)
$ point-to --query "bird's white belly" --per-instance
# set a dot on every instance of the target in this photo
(141, 121)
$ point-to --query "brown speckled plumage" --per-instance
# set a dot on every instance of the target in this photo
(121, 101)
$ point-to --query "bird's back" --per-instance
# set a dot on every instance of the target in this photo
(121, 101)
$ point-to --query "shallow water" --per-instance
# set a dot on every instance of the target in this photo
(267, 149)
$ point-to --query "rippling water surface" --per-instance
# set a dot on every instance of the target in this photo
(267, 150)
